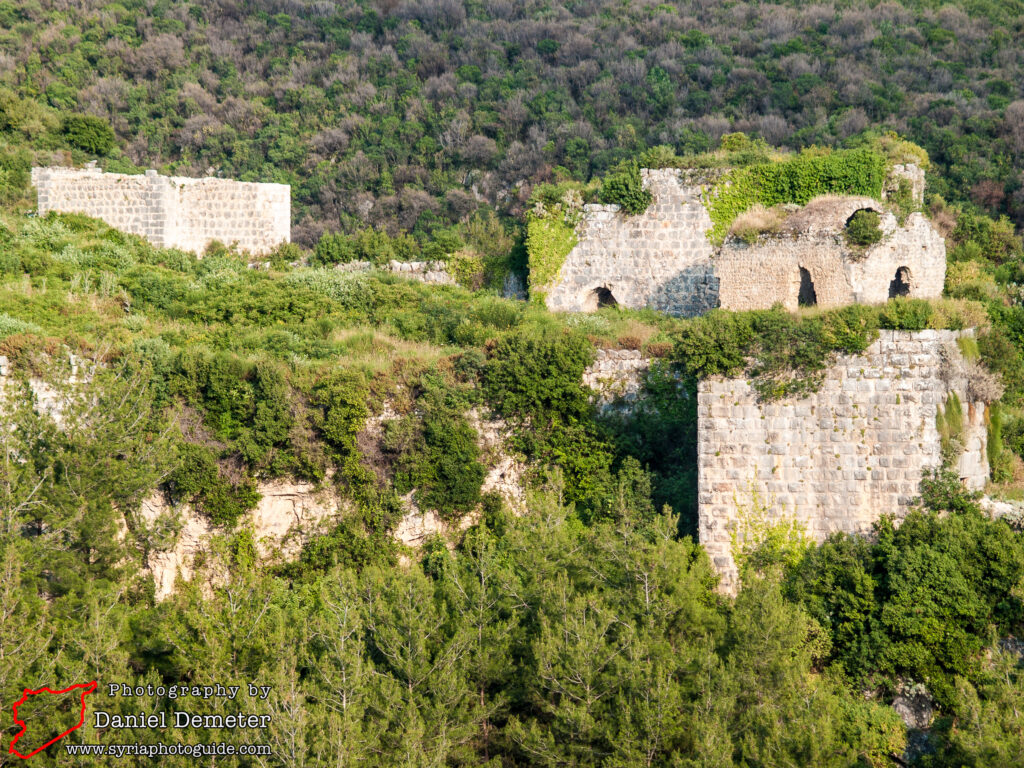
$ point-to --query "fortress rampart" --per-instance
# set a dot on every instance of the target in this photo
(172, 211)
(662, 258)
(839, 458)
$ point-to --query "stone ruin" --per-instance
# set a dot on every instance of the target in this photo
(662, 258)
(833, 460)
(172, 211)
(839, 458)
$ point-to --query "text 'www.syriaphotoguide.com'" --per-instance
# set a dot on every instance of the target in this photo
(161, 750)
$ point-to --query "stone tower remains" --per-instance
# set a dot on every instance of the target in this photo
(662, 258)
(837, 459)
(172, 211)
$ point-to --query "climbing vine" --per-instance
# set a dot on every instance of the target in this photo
(551, 232)
(796, 180)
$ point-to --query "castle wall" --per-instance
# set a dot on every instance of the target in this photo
(617, 373)
(172, 211)
(759, 275)
(430, 272)
(660, 258)
(841, 457)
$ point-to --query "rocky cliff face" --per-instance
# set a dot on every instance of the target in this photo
(286, 517)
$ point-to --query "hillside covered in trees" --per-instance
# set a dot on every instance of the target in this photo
(581, 626)
(408, 115)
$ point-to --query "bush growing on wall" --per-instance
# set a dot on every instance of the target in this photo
(796, 180)
(624, 187)
(863, 228)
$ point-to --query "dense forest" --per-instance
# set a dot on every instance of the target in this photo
(409, 115)
(585, 627)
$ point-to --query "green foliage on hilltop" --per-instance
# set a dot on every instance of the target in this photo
(564, 634)
(624, 188)
(795, 180)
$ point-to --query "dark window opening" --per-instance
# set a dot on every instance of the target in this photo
(807, 296)
(604, 298)
(900, 285)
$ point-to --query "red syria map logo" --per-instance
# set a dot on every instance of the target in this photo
(86, 689)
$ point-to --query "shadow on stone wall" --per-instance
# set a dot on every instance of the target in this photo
(691, 292)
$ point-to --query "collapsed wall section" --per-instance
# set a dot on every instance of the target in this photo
(172, 211)
(841, 457)
(660, 258)
(809, 261)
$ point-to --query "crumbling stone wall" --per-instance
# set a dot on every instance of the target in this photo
(617, 373)
(431, 272)
(758, 275)
(172, 211)
(660, 258)
(841, 457)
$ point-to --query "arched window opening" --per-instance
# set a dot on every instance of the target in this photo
(807, 296)
(602, 297)
(900, 285)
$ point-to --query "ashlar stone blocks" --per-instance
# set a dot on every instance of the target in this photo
(839, 458)
(172, 211)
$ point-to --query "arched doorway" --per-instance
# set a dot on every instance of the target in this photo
(602, 297)
(807, 296)
(900, 285)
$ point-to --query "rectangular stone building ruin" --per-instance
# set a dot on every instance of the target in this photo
(839, 458)
(172, 211)
(662, 258)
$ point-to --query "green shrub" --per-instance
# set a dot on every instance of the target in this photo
(863, 228)
(922, 600)
(783, 354)
(539, 377)
(624, 187)
(89, 133)
(197, 480)
(12, 325)
(902, 314)
(999, 459)
(796, 180)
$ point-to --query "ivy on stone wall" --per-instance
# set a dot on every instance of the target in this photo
(784, 354)
(551, 232)
(796, 180)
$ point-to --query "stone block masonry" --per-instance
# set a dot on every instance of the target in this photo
(839, 458)
(660, 258)
(172, 211)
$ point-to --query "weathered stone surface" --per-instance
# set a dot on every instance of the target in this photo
(841, 457)
(286, 517)
(616, 373)
(172, 211)
(769, 271)
(662, 258)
